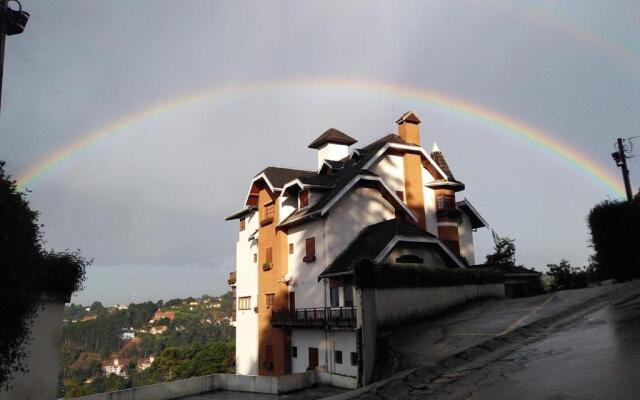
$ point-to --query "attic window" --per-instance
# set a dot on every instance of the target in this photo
(242, 224)
(267, 213)
(304, 198)
(409, 259)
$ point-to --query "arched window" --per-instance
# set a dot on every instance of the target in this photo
(409, 259)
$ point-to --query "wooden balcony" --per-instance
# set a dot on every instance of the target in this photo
(321, 317)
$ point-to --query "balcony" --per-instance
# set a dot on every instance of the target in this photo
(321, 317)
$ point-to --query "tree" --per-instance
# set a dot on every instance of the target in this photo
(28, 271)
(615, 237)
(504, 254)
(96, 308)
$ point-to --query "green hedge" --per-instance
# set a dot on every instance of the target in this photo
(369, 274)
(615, 236)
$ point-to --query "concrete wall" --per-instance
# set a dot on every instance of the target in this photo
(379, 307)
(247, 285)
(41, 379)
(391, 169)
(210, 383)
(344, 341)
(429, 203)
(402, 304)
(465, 232)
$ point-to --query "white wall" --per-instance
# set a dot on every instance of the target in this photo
(41, 379)
(247, 285)
(391, 169)
(332, 151)
(303, 339)
(344, 341)
(304, 282)
(465, 233)
(360, 208)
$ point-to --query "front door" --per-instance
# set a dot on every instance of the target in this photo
(313, 357)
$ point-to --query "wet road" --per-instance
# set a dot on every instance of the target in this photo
(595, 357)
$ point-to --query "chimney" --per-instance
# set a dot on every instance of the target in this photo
(332, 145)
(408, 128)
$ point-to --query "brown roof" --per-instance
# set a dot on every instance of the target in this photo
(409, 116)
(278, 177)
(439, 159)
(332, 135)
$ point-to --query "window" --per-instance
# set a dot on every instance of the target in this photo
(409, 259)
(354, 358)
(400, 194)
(334, 296)
(338, 356)
(294, 352)
(445, 202)
(304, 198)
(310, 245)
(270, 299)
(244, 303)
(290, 248)
(267, 213)
(255, 257)
(348, 296)
(242, 224)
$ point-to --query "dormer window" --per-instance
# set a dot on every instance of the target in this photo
(304, 198)
(267, 213)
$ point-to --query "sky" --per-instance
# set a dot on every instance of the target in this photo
(147, 202)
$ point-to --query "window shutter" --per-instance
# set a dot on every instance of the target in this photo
(304, 198)
(310, 250)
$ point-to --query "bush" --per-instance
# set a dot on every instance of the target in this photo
(28, 271)
(373, 275)
(615, 236)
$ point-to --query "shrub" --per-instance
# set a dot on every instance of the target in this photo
(371, 274)
(615, 237)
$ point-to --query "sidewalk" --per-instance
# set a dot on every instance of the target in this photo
(419, 353)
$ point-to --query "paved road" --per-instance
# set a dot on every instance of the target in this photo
(583, 344)
(317, 392)
(418, 344)
(595, 357)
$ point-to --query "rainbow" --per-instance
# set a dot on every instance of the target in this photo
(537, 138)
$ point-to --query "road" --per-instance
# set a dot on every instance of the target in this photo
(594, 357)
(579, 344)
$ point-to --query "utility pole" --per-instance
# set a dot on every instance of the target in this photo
(12, 22)
(621, 161)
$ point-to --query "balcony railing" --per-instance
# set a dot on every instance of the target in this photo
(321, 317)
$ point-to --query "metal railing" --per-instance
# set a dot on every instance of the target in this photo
(321, 317)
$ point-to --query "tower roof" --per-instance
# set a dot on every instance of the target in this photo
(332, 135)
(439, 159)
(410, 117)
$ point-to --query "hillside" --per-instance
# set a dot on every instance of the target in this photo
(111, 348)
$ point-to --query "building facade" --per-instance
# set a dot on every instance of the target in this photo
(300, 232)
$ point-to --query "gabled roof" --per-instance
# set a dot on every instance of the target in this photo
(374, 240)
(474, 216)
(239, 214)
(278, 176)
(332, 135)
(410, 117)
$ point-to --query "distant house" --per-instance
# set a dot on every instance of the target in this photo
(158, 315)
(157, 330)
(145, 363)
(127, 333)
(115, 365)
(89, 318)
(121, 306)
(193, 303)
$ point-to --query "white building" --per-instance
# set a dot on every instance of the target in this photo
(127, 333)
(302, 231)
